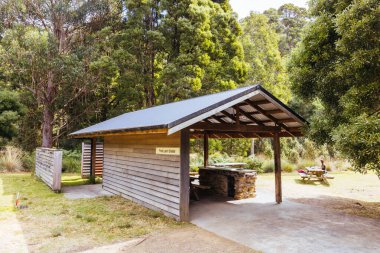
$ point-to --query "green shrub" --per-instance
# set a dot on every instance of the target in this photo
(71, 161)
(196, 159)
(310, 149)
(293, 156)
(71, 165)
(268, 166)
(28, 161)
(10, 159)
(342, 165)
(287, 167)
(194, 168)
(264, 146)
(218, 157)
(254, 163)
(306, 163)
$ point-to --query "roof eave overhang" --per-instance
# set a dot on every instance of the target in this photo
(211, 110)
(207, 112)
(159, 129)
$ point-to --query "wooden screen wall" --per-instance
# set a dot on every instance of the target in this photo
(133, 170)
(86, 159)
(49, 167)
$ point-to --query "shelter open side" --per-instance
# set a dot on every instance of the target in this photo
(146, 152)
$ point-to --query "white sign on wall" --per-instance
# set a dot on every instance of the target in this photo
(167, 151)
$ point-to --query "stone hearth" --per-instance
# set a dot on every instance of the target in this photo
(232, 182)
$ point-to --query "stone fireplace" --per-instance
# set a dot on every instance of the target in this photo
(229, 182)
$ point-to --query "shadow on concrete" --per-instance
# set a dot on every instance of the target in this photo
(261, 224)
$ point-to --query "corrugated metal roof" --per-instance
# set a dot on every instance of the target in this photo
(172, 114)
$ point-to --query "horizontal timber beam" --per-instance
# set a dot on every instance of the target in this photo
(274, 111)
(235, 127)
(228, 134)
(281, 120)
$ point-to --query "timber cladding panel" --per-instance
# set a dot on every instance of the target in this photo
(49, 167)
(86, 159)
(133, 170)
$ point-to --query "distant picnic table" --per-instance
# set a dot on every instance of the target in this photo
(314, 171)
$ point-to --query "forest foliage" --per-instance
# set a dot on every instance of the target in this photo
(337, 64)
(69, 64)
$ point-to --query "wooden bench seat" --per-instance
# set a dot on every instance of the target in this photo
(202, 187)
(195, 187)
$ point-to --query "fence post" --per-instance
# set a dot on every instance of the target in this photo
(57, 170)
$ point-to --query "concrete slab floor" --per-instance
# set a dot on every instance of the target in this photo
(261, 224)
(85, 191)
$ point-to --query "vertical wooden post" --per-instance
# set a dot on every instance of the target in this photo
(184, 176)
(93, 160)
(205, 150)
(277, 167)
(57, 170)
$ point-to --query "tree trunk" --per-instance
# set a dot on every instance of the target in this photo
(252, 151)
(48, 114)
(47, 128)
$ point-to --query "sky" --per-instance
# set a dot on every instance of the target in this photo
(244, 7)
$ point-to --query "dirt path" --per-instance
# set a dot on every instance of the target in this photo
(185, 240)
(11, 235)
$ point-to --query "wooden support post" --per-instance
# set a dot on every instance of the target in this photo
(277, 167)
(205, 150)
(93, 160)
(184, 176)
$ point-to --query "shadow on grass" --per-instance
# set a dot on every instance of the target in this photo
(75, 180)
(314, 182)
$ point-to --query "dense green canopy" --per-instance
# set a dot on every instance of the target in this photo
(338, 65)
(10, 112)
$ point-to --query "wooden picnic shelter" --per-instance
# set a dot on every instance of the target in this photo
(146, 152)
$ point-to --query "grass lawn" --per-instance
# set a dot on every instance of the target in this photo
(52, 223)
(348, 192)
(74, 179)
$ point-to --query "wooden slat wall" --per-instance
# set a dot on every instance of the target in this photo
(133, 170)
(49, 167)
(86, 159)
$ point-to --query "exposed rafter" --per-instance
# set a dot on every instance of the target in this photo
(269, 116)
(228, 115)
(251, 118)
(275, 111)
